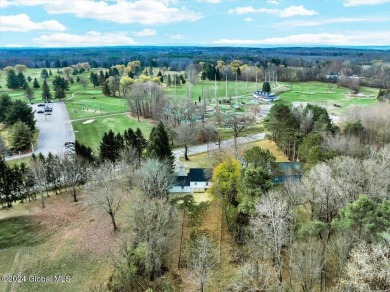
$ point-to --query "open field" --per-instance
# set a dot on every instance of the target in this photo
(207, 160)
(55, 241)
(91, 134)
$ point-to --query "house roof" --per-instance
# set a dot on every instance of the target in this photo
(200, 174)
(290, 168)
(181, 181)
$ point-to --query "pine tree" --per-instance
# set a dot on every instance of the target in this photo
(111, 146)
(12, 80)
(59, 93)
(158, 146)
(44, 74)
(29, 78)
(57, 64)
(36, 83)
(169, 81)
(21, 79)
(46, 95)
(238, 71)
(266, 87)
(159, 74)
(29, 93)
(50, 74)
(106, 89)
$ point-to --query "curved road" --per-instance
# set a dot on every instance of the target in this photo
(54, 130)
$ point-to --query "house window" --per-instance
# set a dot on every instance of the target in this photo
(196, 183)
(207, 183)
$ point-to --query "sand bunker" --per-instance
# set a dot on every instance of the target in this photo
(88, 122)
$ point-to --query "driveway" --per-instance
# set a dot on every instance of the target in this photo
(54, 130)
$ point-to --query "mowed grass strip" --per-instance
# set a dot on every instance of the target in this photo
(91, 134)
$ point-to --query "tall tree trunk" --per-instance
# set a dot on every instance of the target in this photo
(113, 221)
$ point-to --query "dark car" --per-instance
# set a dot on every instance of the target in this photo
(40, 112)
(41, 104)
(48, 109)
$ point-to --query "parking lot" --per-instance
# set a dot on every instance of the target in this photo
(55, 128)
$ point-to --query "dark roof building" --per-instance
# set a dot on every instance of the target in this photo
(200, 174)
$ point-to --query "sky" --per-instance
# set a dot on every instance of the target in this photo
(254, 23)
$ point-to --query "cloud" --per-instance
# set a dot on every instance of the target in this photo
(210, 1)
(274, 2)
(147, 12)
(364, 2)
(145, 32)
(354, 38)
(22, 23)
(177, 37)
(248, 19)
(321, 22)
(287, 12)
(90, 39)
(13, 46)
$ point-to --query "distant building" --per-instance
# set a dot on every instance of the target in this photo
(198, 180)
(288, 171)
(332, 76)
(265, 96)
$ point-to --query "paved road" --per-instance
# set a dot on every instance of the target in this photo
(54, 130)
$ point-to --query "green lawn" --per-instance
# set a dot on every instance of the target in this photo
(91, 134)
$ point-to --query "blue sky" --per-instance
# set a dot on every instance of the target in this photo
(69, 23)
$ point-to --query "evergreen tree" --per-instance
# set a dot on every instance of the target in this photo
(59, 93)
(266, 87)
(20, 111)
(64, 64)
(36, 83)
(158, 146)
(5, 182)
(50, 74)
(5, 104)
(238, 71)
(21, 136)
(46, 95)
(84, 152)
(12, 80)
(21, 79)
(159, 74)
(29, 93)
(106, 75)
(57, 64)
(29, 79)
(106, 89)
(111, 146)
(131, 74)
(44, 74)
(101, 78)
(169, 81)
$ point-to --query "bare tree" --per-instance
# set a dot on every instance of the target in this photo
(306, 264)
(152, 222)
(74, 173)
(187, 135)
(154, 178)
(272, 225)
(250, 280)
(106, 191)
(203, 260)
(83, 81)
(238, 124)
(368, 267)
(37, 167)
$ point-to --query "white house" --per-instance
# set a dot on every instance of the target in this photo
(200, 179)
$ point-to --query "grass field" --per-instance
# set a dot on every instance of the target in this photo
(53, 242)
(91, 134)
(207, 160)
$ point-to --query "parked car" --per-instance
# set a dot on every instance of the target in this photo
(41, 104)
(40, 112)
